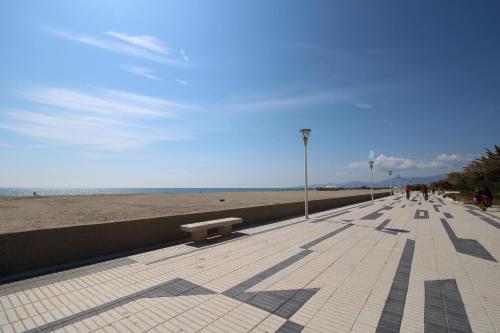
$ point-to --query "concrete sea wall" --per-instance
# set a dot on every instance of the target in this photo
(43, 250)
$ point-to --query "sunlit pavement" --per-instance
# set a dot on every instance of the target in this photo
(397, 265)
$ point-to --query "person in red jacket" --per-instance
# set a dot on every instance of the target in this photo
(425, 192)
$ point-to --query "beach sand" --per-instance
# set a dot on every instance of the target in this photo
(28, 213)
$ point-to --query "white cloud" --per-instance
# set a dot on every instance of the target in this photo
(442, 161)
(147, 73)
(99, 118)
(389, 162)
(371, 154)
(145, 41)
(396, 163)
(451, 158)
(6, 145)
(119, 47)
(447, 161)
(184, 56)
(184, 83)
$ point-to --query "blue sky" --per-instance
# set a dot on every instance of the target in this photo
(213, 94)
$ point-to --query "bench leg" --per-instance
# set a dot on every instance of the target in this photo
(224, 230)
(199, 235)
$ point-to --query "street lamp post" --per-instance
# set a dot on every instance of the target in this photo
(305, 132)
(371, 171)
(399, 184)
(390, 181)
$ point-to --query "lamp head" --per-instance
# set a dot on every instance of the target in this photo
(305, 132)
(371, 164)
(389, 172)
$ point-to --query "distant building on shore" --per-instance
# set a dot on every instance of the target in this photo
(329, 188)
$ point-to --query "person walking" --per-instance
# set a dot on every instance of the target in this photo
(487, 192)
(425, 192)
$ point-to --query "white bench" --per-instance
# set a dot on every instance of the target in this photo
(199, 230)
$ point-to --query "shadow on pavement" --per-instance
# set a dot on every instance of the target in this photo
(217, 239)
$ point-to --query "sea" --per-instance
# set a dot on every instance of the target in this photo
(29, 191)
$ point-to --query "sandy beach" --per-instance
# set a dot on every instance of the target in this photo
(28, 213)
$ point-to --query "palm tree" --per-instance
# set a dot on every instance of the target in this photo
(482, 171)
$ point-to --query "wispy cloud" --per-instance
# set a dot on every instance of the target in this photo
(371, 154)
(145, 41)
(296, 100)
(447, 161)
(121, 46)
(184, 83)
(184, 56)
(104, 101)
(145, 72)
(99, 118)
(442, 161)
(301, 97)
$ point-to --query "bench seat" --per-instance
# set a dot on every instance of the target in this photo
(199, 230)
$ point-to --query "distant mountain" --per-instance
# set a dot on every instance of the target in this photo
(395, 182)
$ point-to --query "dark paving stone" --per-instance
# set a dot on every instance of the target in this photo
(492, 215)
(421, 214)
(293, 304)
(77, 273)
(484, 218)
(383, 224)
(283, 303)
(322, 238)
(436, 207)
(469, 247)
(491, 222)
(372, 216)
(474, 213)
(444, 308)
(448, 215)
(171, 288)
(326, 217)
(392, 315)
(365, 205)
(247, 284)
(290, 327)
(381, 227)
(376, 214)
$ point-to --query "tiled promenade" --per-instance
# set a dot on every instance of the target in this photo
(397, 265)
